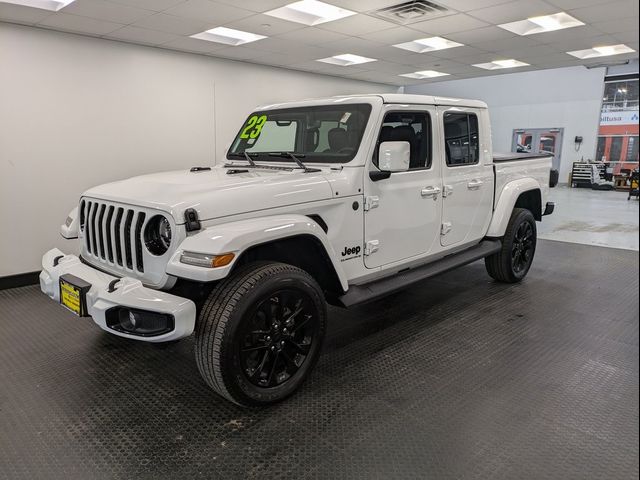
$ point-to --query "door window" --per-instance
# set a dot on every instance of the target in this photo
(412, 127)
(461, 139)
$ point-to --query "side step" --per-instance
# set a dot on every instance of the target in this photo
(359, 294)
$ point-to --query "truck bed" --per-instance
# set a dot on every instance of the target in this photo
(509, 167)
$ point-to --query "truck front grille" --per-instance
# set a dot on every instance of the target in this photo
(113, 234)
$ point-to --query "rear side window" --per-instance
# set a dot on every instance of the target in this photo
(461, 139)
(412, 127)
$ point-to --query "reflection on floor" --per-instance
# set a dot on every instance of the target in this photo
(592, 217)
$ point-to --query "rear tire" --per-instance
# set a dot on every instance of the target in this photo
(511, 264)
(260, 333)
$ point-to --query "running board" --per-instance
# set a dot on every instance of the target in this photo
(359, 294)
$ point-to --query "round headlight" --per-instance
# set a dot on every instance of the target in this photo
(157, 235)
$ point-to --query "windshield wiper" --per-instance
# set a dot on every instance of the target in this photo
(295, 159)
(247, 156)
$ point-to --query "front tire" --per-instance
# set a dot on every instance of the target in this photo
(511, 264)
(260, 333)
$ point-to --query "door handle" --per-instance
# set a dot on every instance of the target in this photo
(474, 184)
(430, 192)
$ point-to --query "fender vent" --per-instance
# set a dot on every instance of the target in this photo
(413, 11)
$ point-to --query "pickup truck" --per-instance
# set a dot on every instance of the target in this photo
(339, 200)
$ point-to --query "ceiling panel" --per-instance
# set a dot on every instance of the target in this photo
(214, 13)
(173, 24)
(143, 36)
(77, 24)
(264, 25)
(512, 11)
(21, 14)
(107, 11)
(474, 23)
(449, 24)
(606, 11)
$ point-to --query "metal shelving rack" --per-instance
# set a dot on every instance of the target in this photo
(581, 173)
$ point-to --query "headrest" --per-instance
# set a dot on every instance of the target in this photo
(403, 133)
(452, 130)
(337, 138)
(385, 133)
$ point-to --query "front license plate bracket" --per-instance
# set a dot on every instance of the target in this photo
(73, 294)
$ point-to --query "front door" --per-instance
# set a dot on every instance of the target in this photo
(467, 177)
(403, 211)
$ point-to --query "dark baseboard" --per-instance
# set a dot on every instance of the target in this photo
(19, 280)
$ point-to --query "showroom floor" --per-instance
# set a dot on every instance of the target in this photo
(459, 377)
(592, 217)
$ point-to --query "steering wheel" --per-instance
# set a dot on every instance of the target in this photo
(346, 150)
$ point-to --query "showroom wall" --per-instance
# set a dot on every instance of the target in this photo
(77, 112)
(568, 98)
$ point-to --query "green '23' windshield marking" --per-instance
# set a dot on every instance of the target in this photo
(254, 126)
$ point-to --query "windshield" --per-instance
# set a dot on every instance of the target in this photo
(322, 134)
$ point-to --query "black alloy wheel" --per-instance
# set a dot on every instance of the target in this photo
(522, 247)
(278, 337)
(260, 333)
(512, 263)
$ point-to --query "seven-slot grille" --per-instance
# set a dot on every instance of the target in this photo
(113, 234)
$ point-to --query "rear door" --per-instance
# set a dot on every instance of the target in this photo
(468, 180)
(403, 216)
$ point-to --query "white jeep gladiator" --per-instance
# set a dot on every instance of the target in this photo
(340, 200)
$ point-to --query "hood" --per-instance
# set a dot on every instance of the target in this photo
(215, 193)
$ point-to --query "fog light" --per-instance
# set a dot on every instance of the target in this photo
(139, 322)
(206, 260)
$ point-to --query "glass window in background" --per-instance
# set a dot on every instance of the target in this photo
(618, 131)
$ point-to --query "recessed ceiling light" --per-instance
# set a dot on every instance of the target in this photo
(310, 12)
(603, 51)
(429, 44)
(545, 23)
(499, 64)
(424, 74)
(346, 59)
(53, 5)
(228, 36)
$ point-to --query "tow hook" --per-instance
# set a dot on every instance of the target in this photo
(112, 285)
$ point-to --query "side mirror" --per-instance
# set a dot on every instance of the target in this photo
(394, 156)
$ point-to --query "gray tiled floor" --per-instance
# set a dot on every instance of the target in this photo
(457, 377)
(592, 217)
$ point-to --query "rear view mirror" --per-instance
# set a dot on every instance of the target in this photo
(394, 156)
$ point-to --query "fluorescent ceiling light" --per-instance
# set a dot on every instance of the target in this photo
(430, 44)
(310, 12)
(604, 51)
(228, 36)
(53, 5)
(545, 23)
(499, 64)
(346, 59)
(424, 74)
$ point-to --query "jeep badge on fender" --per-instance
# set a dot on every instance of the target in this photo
(351, 251)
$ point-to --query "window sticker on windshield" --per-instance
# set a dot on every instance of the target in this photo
(345, 117)
(254, 126)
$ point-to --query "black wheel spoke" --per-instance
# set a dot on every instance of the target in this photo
(278, 337)
(273, 368)
(289, 361)
(302, 348)
(260, 367)
(302, 324)
(253, 349)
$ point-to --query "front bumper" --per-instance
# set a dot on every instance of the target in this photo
(127, 292)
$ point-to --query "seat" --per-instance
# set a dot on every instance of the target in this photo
(338, 140)
(405, 133)
(454, 150)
